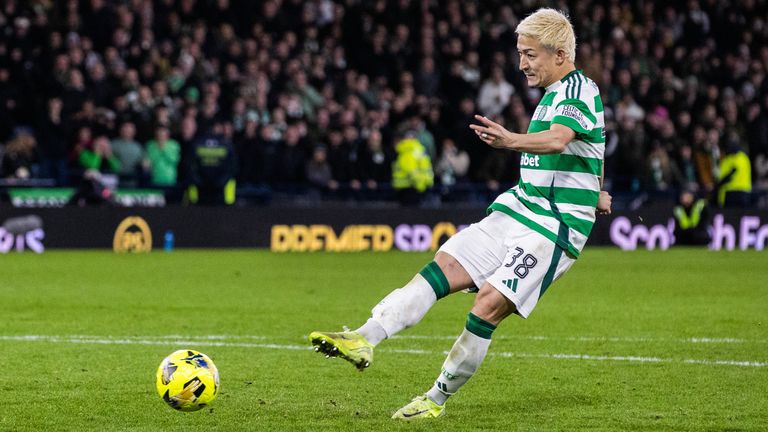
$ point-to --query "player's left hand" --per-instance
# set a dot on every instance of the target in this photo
(604, 203)
(492, 133)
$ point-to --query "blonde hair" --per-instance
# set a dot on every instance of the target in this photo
(552, 29)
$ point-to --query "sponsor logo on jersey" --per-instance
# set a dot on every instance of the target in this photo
(529, 160)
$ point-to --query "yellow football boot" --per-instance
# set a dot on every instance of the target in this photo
(349, 345)
(421, 407)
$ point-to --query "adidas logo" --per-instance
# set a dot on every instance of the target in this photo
(511, 284)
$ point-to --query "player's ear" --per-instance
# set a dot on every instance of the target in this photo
(560, 57)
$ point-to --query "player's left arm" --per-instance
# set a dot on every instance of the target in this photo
(550, 141)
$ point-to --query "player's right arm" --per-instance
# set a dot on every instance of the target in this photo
(550, 141)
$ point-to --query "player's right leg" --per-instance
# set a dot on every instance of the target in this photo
(464, 261)
(402, 308)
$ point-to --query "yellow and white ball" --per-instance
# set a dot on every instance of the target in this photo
(187, 380)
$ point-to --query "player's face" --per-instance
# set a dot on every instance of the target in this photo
(537, 63)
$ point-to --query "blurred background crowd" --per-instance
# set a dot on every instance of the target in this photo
(370, 99)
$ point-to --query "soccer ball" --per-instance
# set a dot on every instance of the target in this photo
(187, 380)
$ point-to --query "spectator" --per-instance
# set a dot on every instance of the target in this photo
(293, 157)
(691, 221)
(214, 167)
(757, 136)
(309, 97)
(494, 93)
(415, 127)
(428, 78)
(340, 157)
(686, 167)
(353, 144)
(51, 136)
(248, 151)
(92, 190)
(318, 170)
(660, 170)
(707, 156)
(98, 156)
(164, 154)
(187, 136)
(412, 171)
(133, 161)
(9, 97)
(74, 93)
(268, 154)
(375, 162)
(453, 164)
(735, 183)
(20, 158)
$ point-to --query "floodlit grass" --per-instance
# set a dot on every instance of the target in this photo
(670, 340)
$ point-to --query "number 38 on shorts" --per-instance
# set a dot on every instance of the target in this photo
(527, 262)
(518, 262)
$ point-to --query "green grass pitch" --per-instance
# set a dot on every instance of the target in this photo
(671, 341)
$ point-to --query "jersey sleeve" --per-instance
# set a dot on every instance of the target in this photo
(575, 114)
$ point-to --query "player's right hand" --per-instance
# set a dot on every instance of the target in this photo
(491, 133)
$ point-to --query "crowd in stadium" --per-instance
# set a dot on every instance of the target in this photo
(319, 94)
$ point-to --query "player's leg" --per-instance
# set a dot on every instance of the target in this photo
(402, 308)
(466, 355)
(406, 306)
(463, 261)
(469, 350)
(530, 266)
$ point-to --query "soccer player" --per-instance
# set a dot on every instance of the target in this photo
(533, 233)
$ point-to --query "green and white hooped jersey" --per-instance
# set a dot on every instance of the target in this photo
(557, 194)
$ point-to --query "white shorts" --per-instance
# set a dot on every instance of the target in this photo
(516, 260)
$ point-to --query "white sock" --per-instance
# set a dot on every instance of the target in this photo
(372, 331)
(402, 308)
(463, 360)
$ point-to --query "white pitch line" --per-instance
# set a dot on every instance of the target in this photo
(633, 359)
(137, 341)
(692, 340)
(204, 341)
(170, 336)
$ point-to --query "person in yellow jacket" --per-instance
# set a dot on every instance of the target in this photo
(691, 220)
(735, 183)
(412, 171)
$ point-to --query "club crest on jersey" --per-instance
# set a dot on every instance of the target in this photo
(540, 113)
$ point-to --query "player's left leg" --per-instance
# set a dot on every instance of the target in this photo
(468, 352)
